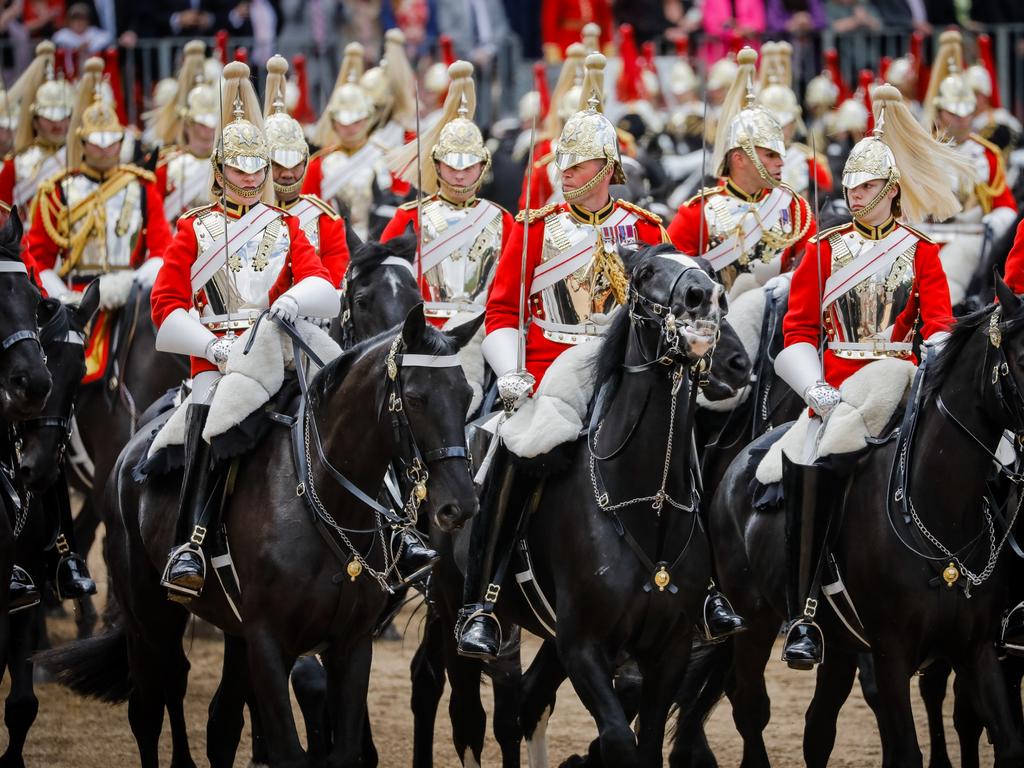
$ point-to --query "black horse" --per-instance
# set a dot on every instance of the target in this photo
(43, 491)
(971, 394)
(293, 597)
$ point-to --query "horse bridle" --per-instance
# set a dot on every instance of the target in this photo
(17, 267)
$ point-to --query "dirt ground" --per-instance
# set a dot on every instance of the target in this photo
(77, 733)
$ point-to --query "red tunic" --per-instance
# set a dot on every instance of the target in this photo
(821, 172)
(173, 287)
(7, 181)
(562, 21)
(685, 229)
(503, 299)
(333, 245)
(996, 178)
(803, 321)
(1014, 271)
(540, 181)
(41, 252)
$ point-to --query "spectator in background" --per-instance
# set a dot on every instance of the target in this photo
(80, 36)
(795, 18)
(476, 27)
(418, 20)
(524, 19)
(852, 15)
(729, 21)
(42, 18)
(259, 19)
(184, 18)
(647, 18)
(562, 22)
(124, 20)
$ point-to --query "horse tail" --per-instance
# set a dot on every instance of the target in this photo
(96, 667)
(702, 687)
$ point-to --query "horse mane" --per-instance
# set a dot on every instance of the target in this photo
(371, 254)
(10, 237)
(330, 377)
(949, 357)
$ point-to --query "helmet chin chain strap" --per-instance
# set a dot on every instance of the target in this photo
(590, 186)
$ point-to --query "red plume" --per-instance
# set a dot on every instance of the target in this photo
(985, 54)
(540, 84)
(221, 45)
(447, 52)
(648, 55)
(832, 65)
(683, 47)
(867, 77)
(242, 54)
(303, 109)
(883, 67)
(736, 42)
(113, 71)
(629, 86)
(923, 72)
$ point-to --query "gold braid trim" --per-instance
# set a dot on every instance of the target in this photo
(608, 263)
(801, 223)
(987, 193)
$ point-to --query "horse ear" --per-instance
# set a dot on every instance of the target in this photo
(629, 257)
(12, 230)
(1008, 300)
(88, 305)
(415, 326)
(462, 334)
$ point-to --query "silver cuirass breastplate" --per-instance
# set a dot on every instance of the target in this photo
(727, 215)
(116, 224)
(193, 174)
(32, 166)
(867, 313)
(356, 194)
(462, 278)
(249, 273)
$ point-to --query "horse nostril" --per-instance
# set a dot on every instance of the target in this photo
(19, 381)
(737, 362)
(693, 298)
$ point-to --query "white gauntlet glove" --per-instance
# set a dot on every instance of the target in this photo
(514, 388)
(822, 398)
(218, 349)
(285, 308)
(146, 274)
(779, 285)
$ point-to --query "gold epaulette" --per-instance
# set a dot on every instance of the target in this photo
(164, 153)
(824, 234)
(986, 144)
(651, 216)
(536, 213)
(413, 204)
(196, 211)
(704, 193)
(142, 173)
(328, 211)
(49, 184)
(545, 160)
(322, 151)
(919, 233)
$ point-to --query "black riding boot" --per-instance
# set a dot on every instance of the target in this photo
(808, 508)
(72, 580)
(1012, 635)
(414, 559)
(720, 620)
(478, 629)
(24, 593)
(185, 572)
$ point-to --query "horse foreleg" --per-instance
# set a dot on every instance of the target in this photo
(226, 713)
(146, 701)
(662, 673)
(268, 675)
(469, 721)
(540, 685)
(984, 675)
(751, 707)
(932, 685)
(591, 672)
(427, 673)
(22, 705)
(900, 748)
(309, 681)
(348, 681)
(967, 723)
(506, 678)
(834, 683)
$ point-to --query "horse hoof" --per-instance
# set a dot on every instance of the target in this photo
(576, 761)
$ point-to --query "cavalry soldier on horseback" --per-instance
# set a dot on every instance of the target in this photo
(462, 235)
(349, 172)
(863, 290)
(753, 227)
(989, 208)
(98, 217)
(46, 106)
(228, 262)
(573, 280)
(187, 128)
(289, 156)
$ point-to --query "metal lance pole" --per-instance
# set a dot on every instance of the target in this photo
(419, 191)
(521, 345)
(224, 199)
(703, 163)
(821, 286)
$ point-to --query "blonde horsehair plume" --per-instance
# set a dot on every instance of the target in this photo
(402, 160)
(735, 100)
(88, 92)
(238, 87)
(572, 71)
(592, 37)
(401, 78)
(592, 91)
(925, 163)
(350, 72)
(277, 77)
(767, 71)
(170, 118)
(24, 91)
(784, 64)
(950, 51)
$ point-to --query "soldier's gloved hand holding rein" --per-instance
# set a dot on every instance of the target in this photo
(146, 274)
(285, 308)
(822, 398)
(514, 388)
(779, 285)
(217, 351)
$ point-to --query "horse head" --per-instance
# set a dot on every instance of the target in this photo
(435, 396)
(671, 295)
(380, 287)
(24, 380)
(731, 366)
(62, 336)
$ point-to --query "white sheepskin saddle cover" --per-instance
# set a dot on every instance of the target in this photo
(250, 382)
(115, 287)
(471, 357)
(745, 316)
(555, 413)
(870, 398)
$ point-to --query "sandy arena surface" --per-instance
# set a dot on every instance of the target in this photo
(77, 733)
